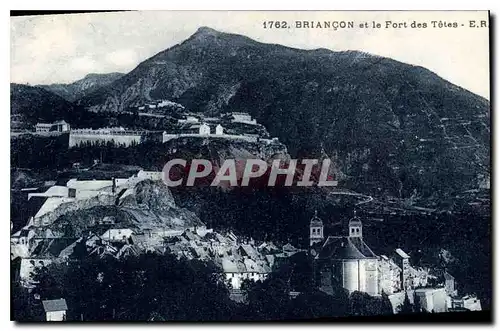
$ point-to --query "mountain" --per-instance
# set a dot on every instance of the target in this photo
(31, 104)
(393, 128)
(82, 87)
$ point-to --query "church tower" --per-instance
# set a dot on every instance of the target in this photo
(316, 234)
(355, 227)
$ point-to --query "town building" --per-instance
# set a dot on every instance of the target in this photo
(471, 303)
(419, 277)
(432, 300)
(242, 118)
(449, 284)
(55, 310)
(219, 129)
(204, 129)
(189, 119)
(403, 261)
(151, 175)
(158, 104)
(27, 267)
(43, 127)
(389, 275)
(23, 236)
(117, 235)
(61, 126)
(238, 268)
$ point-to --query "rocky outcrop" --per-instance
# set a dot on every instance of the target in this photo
(67, 205)
(148, 194)
(144, 204)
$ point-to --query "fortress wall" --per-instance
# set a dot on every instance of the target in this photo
(77, 138)
(167, 137)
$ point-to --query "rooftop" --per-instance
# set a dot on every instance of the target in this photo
(289, 247)
(249, 250)
(448, 276)
(230, 266)
(54, 305)
(401, 253)
(315, 220)
(60, 122)
(52, 247)
(24, 232)
(355, 220)
(429, 290)
(91, 185)
(53, 191)
(345, 248)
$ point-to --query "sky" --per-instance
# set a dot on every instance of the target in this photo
(64, 48)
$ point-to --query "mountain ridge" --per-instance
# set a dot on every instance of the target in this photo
(80, 88)
(393, 128)
(32, 104)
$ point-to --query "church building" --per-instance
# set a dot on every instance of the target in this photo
(316, 230)
(344, 261)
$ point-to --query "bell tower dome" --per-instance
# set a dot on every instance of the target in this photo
(355, 226)
(316, 234)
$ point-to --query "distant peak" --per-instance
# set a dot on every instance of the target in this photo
(206, 30)
(205, 35)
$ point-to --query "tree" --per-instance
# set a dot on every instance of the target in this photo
(267, 300)
(317, 304)
(406, 307)
(135, 288)
(362, 304)
(386, 305)
(48, 282)
(24, 307)
(417, 307)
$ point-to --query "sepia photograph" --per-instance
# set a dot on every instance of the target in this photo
(250, 166)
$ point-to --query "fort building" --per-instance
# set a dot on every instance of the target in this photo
(58, 126)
